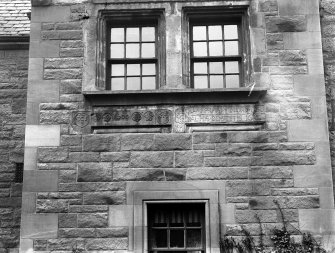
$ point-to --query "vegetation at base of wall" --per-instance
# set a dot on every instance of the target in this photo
(282, 240)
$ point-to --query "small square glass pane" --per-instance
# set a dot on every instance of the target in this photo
(216, 81)
(117, 51)
(193, 238)
(148, 83)
(117, 84)
(133, 34)
(232, 67)
(200, 68)
(133, 70)
(159, 239)
(199, 33)
(215, 48)
(133, 50)
(231, 47)
(117, 34)
(148, 34)
(215, 32)
(117, 69)
(230, 32)
(200, 49)
(216, 67)
(176, 238)
(133, 83)
(232, 81)
(200, 82)
(148, 50)
(148, 69)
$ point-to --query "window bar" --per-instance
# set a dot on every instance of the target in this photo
(207, 46)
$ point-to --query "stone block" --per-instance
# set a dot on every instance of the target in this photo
(107, 244)
(326, 198)
(137, 142)
(201, 138)
(258, 40)
(88, 209)
(309, 85)
(292, 23)
(52, 206)
(282, 82)
(91, 187)
(70, 86)
(173, 141)
(30, 158)
(256, 136)
(227, 213)
(288, 70)
(112, 232)
(62, 63)
(233, 149)
(115, 156)
(119, 216)
(313, 23)
(289, 111)
(40, 181)
(216, 173)
(52, 155)
(77, 233)
(71, 52)
(292, 57)
(268, 6)
(101, 142)
(51, 14)
(28, 202)
(95, 172)
(307, 130)
(39, 226)
(104, 198)
(274, 41)
(285, 202)
(41, 49)
(151, 159)
(271, 172)
(315, 61)
(175, 174)
(251, 216)
(96, 220)
(185, 159)
(78, 157)
(43, 91)
(125, 174)
(67, 220)
(278, 158)
(61, 74)
(317, 221)
(26, 245)
(302, 40)
(312, 176)
(295, 7)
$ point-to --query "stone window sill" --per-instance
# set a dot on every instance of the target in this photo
(176, 96)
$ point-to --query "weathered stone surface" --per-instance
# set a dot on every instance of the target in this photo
(137, 142)
(84, 157)
(292, 57)
(91, 187)
(88, 208)
(107, 244)
(286, 24)
(200, 138)
(61, 74)
(124, 174)
(96, 220)
(52, 206)
(76, 233)
(185, 159)
(52, 154)
(250, 216)
(173, 141)
(106, 197)
(115, 156)
(95, 172)
(175, 174)
(294, 191)
(62, 63)
(271, 172)
(291, 202)
(103, 142)
(256, 137)
(233, 149)
(281, 82)
(151, 160)
(216, 173)
(295, 111)
(70, 86)
(268, 5)
(67, 220)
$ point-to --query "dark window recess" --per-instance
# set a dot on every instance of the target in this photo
(19, 173)
(176, 227)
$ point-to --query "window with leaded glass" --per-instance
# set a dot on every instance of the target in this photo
(217, 49)
(176, 227)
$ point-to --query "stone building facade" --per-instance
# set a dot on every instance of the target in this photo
(107, 157)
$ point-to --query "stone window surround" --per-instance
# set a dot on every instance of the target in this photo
(174, 89)
(139, 194)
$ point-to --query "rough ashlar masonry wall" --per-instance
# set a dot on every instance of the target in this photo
(77, 184)
(13, 89)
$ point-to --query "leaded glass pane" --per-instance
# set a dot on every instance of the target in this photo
(117, 83)
(231, 47)
(133, 83)
(117, 51)
(148, 34)
(133, 34)
(200, 82)
(159, 239)
(200, 49)
(216, 81)
(193, 238)
(176, 238)
(232, 81)
(230, 32)
(148, 50)
(199, 32)
(200, 68)
(148, 69)
(215, 49)
(232, 67)
(216, 68)
(117, 34)
(117, 69)
(133, 50)
(133, 70)
(215, 32)
(148, 83)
